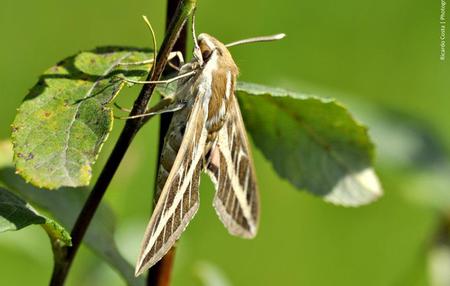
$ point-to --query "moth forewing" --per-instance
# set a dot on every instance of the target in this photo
(178, 199)
(232, 171)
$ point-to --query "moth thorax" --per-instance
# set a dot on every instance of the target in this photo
(221, 71)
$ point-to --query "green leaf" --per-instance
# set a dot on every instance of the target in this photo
(65, 119)
(16, 214)
(64, 205)
(312, 142)
(411, 152)
(6, 153)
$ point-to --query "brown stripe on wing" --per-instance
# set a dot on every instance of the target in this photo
(177, 222)
(231, 169)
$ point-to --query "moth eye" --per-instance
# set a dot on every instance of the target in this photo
(206, 54)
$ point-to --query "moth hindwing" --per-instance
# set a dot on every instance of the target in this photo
(208, 134)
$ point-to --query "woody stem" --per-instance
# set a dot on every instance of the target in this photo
(67, 254)
(159, 274)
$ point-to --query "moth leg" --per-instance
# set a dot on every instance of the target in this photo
(171, 108)
(144, 62)
(164, 106)
(173, 66)
(155, 51)
(171, 94)
(121, 108)
(167, 81)
(208, 154)
(168, 97)
(171, 56)
(180, 57)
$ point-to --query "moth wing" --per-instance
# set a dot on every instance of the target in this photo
(231, 169)
(179, 199)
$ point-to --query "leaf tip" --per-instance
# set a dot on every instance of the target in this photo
(357, 189)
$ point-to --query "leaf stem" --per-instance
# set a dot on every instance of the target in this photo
(132, 126)
(159, 274)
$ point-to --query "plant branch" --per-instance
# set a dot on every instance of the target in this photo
(132, 126)
(160, 273)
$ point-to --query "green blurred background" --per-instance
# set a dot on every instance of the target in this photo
(383, 54)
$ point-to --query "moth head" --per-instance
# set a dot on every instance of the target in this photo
(210, 51)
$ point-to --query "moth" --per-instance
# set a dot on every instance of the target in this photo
(207, 134)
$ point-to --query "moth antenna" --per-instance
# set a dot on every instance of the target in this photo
(270, 38)
(197, 52)
(153, 38)
(194, 34)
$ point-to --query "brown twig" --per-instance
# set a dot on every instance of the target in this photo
(67, 254)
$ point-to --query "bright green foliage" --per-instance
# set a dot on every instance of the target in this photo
(65, 119)
(312, 142)
(64, 205)
(6, 153)
(16, 214)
